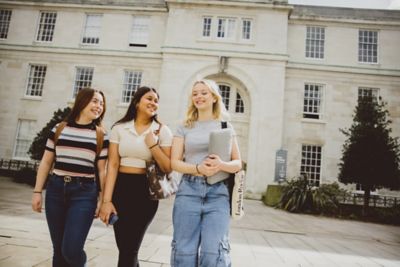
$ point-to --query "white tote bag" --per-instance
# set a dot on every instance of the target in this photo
(237, 211)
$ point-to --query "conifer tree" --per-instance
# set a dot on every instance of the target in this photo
(371, 157)
(36, 149)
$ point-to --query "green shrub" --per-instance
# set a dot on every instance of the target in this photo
(298, 195)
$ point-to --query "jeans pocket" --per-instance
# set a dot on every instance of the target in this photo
(224, 259)
(88, 186)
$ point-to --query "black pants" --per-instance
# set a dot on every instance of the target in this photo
(135, 212)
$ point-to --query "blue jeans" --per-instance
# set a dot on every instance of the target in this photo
(70, 209)
(201, 224)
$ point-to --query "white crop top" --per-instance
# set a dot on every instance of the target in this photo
(132, 148)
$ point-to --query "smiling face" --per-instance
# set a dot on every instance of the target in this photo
(148, 104)
(202, 97)
(95, 108)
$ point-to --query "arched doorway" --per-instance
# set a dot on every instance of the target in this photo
(237, 101)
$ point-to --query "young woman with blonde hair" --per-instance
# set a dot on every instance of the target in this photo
(201, 210)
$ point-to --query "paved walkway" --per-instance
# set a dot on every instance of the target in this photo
(264, 237)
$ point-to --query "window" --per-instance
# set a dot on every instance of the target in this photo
(225, 93)
(230, 102)
(239, 107)
(83, 78)
(92, 30)
(46, 26)
(24, 138)
(367, 46)
(312, 101)
(246, 29)
(37, 74)
(311, 163)
(364, 92)
(132, 81)
(140, 31)
(315, 42)
(207, 26)
(5, 17)
(226, 28)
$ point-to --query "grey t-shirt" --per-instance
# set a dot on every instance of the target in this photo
(196, 139)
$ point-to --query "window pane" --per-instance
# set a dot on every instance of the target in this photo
(37, 74)
(132, 81)
(225, 93)
(5, 17)
(315, 42)
(239, 104)
(140, 31)
(246, 29)
(92, 30)
(46, 26)
(312, 101)
(207, 27)
(83, 78)
(24, 138)
(310, 166)
(367, 46)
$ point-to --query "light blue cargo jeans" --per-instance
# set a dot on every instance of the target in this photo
(201, 224)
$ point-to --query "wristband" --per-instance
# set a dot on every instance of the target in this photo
(153, 145)
(37, 192)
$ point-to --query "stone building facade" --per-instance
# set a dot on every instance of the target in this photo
(290, 75)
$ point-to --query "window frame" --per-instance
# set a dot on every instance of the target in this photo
(146, 31)
(210, 27)
(242, 20)
(4, 23)
(124, 95)
(76, 88)
(374, 92)
(227, 29)
(308, 163)
(313, 47)
(40, 33)
(95, 28)
(30, 80)
(17, 139)
(320, 113)
(360, 56)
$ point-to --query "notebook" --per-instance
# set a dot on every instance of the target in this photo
(221, 145)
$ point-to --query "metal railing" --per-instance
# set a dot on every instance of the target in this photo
(374, 200)
(16, 165)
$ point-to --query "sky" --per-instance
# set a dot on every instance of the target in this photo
(372, 4)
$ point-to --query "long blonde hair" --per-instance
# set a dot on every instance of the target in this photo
(219, 110)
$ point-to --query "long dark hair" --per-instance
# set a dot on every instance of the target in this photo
(83, 98)
(131, 113)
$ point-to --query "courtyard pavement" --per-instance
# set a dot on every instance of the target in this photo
(264, 237)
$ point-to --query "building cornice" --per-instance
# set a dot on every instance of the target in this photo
(371, 70)
(345, 15)
(72, 5)
(224, 53)
(80, 51)
(279, 5)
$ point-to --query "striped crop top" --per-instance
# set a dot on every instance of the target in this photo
(75, 151)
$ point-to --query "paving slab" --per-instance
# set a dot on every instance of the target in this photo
(264, 237)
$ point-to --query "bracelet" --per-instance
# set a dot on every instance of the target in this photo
(104, 202)
(153, 146)
(37, 192)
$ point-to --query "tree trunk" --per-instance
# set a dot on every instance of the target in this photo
(367, 194)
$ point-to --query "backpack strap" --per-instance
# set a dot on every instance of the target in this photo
(59, 129)
(224, 124)
(99, 139)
